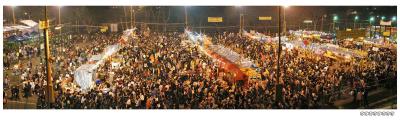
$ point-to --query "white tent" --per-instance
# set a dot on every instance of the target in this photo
(111, 49)
(84, 76)
(96, 57)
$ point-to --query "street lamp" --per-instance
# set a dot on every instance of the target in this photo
(186, 17)
(59, 14)
(241, 20)
(49, 89)
(355, 20)
(335, 18)
(13, 14)
(284, 18)
(394, 18)
(371, 19)
(59, 18)
(132, 11)
(383, 18)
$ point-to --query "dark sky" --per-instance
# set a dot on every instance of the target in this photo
(197, 15)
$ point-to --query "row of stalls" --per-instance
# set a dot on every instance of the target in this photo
(85, 75)
(229, 61)
(301, 39)
(21, 32)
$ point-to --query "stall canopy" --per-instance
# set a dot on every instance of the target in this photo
(96, 58)
(84, 76)
(111, 49)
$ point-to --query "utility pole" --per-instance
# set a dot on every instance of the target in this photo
(13, 14)
(278, 85)
(59, 16)
(126, 23)
(131, 17)
(284, 21)
(49, 90)
(186, 19)
(241, 24)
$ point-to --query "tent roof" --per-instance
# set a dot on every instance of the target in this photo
(87, 67)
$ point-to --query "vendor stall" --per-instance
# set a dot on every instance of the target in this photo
(84, 76)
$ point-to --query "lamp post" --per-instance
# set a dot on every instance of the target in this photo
(371, 19)
(335, 18)
(284, 18)
(49, 90)
(355, 21)
(322, 22)
(278, 85)
(13, 14)
(241, 21)
(186, 18)
(59, 15)
(132, 12)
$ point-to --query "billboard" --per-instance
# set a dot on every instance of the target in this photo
(114, 27)
(215, 19)
(264, 18)
(350, 34)
(385, 23)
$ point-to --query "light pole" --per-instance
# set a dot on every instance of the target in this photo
(278, 85)
(13, 14)
(186, 18)
(132, 11)
(371, 19)
(355, 21)
(49, 90)
(284, 18)
(241, 21)
(335, 18)
(59, 15)
(322, 22)
(26, 14)
(394, 21)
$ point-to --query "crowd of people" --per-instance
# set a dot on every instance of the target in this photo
(29, 71)
(165, 71)
(318, 78)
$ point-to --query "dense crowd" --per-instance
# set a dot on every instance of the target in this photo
(164, 71)
(29, 71)
(313, 80)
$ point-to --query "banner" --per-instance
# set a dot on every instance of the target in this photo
(43, 24)
(350, 34)
(264, 18)
(215, 19)
(386, 33)
(307, 21)
(114, 27)
(103, 28)
(386, 23)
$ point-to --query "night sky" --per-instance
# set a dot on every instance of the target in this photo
(197, 15)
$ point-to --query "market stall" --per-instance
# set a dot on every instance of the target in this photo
(84, 76)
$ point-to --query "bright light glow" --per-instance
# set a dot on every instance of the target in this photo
(286, 6)
(394, 18)
(383, 17)
(356, 18)
(58, 27)
(371, 19)
(335, 18)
